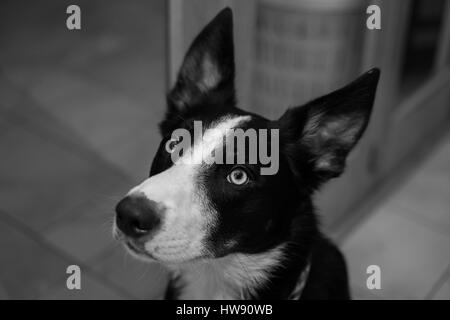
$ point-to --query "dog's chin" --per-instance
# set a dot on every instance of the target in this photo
(164, 253)
(175, 260)
(132, 247)
(138, 251)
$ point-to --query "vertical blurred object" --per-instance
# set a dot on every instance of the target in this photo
(422, 42)
(304, 48)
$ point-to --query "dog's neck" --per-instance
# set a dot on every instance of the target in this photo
(273, 274)
(237, 276)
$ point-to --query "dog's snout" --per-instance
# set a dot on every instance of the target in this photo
(137, 216)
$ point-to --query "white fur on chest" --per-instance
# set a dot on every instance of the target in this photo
(228, 278)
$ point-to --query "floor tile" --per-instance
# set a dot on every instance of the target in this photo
(134, 155)
(425, 196)
(136, 72)
(444, 292)
(411, 256)
(105, 84)
(101, 117)
(40, 181)
(28, 114)
(74, 119)
(85, 232)
(28, 268)
(122, 130)
(438, 161)
(9, 93)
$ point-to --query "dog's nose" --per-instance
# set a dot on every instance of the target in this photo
(137, 216)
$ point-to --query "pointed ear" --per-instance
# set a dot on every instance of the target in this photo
(208, 66)
(325, 130)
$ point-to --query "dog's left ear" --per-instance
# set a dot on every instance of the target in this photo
(208, 67)
(321, 133)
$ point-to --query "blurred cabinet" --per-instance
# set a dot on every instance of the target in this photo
(304, 49)
(412, 108)
(419, 107)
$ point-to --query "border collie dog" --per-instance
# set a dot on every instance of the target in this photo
(224, 230)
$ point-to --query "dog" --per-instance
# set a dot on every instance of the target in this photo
(226, 231)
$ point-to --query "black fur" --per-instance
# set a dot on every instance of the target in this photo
(315, 140)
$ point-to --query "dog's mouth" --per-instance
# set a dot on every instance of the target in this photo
(169, 251)
(137, 249)
(134, 247)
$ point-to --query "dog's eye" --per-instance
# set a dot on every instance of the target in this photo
(172, 143)
(238, 177)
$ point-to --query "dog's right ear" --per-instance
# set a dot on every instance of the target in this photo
(321, 133)
(207, 71)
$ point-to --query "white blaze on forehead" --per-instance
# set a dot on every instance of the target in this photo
(165, 188)
(212, 139)
(187, 216)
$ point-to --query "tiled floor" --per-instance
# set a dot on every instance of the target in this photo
(408, 237)
(78, 126)
(78, 115)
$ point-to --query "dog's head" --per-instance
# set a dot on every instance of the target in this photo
(193, 208)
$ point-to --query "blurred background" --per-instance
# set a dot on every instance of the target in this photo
(78, 127)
